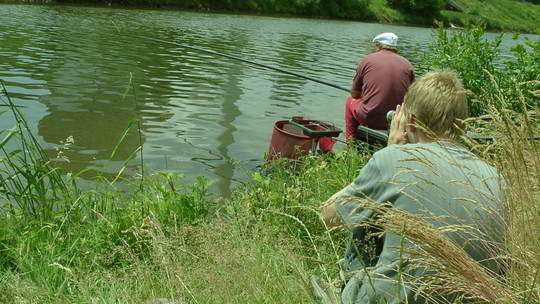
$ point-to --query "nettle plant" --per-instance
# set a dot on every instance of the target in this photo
(415, 7)
(468, 53)
(484, 72)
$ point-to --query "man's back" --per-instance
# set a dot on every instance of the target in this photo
(382, 78)
(443, 183)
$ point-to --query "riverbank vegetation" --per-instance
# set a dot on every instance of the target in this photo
(164, 242)
(502, 15)
(506, 15)
(498, 15)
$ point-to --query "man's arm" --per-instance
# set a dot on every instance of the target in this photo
(367, 179)
(358, 81)
(328, 210)
(343, 207)
(355, 94)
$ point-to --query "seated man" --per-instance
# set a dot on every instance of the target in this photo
(425, 172)
(380, 82)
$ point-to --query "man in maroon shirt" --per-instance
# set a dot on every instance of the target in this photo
(380, 83)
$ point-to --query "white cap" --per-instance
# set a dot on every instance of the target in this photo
(386, 39)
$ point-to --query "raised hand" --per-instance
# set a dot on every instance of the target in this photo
(398, 132)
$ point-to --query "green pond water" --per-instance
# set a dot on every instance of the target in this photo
(90, 73)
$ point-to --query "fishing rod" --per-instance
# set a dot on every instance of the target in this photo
(269, 67)
(369, 135)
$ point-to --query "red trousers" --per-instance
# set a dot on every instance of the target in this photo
(352, 121)
(326, 144)
(351, 118)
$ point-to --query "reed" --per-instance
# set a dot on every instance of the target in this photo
(28, 180)
(518, 156)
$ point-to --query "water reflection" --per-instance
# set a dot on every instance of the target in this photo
(291, 53)
(93, 99)
(223, 86)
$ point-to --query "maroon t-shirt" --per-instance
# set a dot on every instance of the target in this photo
(382, 78)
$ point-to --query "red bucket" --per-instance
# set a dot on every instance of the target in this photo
(289, 141)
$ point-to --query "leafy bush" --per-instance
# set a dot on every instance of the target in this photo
(478, 61)
(418, 7)
(327, 8)
(345, 8)
(468, 53)
(523, 74)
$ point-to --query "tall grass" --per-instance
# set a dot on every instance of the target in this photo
(262, 247)
(53, 236)
(518, 156)
(28, 181)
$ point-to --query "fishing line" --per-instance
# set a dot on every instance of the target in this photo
(269, 67)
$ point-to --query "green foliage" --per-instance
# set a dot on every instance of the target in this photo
(516, 15)
(51, 232)
(418, 7)
(100, 230)
(498, 14)
(27, 179)
(532, 1)
(327, 8)
(358, 9)
(296, 188)
(523, 73)
(482, 70)
(468, 53)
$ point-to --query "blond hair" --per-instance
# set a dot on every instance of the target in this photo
(439, 103)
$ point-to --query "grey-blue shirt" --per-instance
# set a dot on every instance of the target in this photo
(442, 182)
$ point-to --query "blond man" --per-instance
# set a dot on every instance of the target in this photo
(423, 171)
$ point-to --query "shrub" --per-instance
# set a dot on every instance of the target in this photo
(418, 7)
(469, 54)
(478, 62)
(328, 8)
(345, 8)
(523, 74)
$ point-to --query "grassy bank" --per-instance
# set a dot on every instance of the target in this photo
(498, 14)
(506, 15)
(166, 240)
